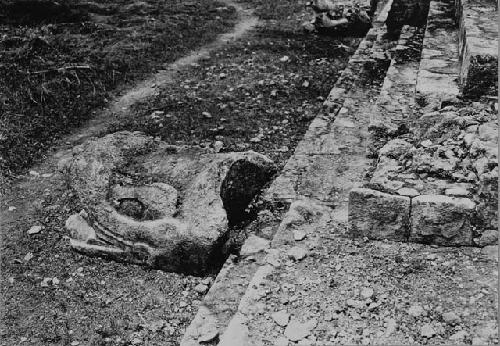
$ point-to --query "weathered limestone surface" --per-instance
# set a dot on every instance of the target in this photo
(439, 65)
(478, 46)
(159, 205)
(396, 102)
(378, 215)
(441, 220)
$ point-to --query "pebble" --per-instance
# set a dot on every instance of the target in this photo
(391, 327)
(75, 343)
(206, 115)
(296, 331)
(416, 310)
(55, 281)
(12, 208)
(218, 145)
(35, 229)
(427, 331)
(28, 256)
(298, 234)
(355, 303)
(297, 253)
(450, 317)
(254, 245)
(201, 288)
(366, 292)
(281, 318)
(460, 335)
(45, 282)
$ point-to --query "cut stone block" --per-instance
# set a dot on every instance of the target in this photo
(378, 215)
(478, 46)
(442, 220)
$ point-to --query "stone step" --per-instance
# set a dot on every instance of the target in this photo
(314, 163)
(317, 287)
(330, 160)
(430, 184)
(439, 66)
(395, 105)
(478, 47)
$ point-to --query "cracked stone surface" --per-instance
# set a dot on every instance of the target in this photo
(163, 206)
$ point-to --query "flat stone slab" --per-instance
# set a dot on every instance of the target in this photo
(441, 220)
(378, 215)
(478, 45)
(164, 206)
(439, 65)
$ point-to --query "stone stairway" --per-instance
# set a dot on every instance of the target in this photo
(304, 279)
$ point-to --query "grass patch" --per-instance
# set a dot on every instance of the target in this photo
(56, 69)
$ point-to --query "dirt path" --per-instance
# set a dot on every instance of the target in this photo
(149, 87)
(49, 256)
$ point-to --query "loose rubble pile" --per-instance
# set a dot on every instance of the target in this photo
(164, 206)
(436, 183)
(338, 17)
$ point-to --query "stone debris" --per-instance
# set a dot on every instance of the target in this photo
(281, 318)
(35, 230)
(299, 234)
(296, 330)
(416, 310)
(367, 292)
(338, 17)
(297, 253)
(450, 317)
(427, 331)
(253, 245)
(201, 288)
(447, 164)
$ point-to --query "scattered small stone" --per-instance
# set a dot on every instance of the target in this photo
(55, 281)
(12, 208)
(427, 143)
(201, 288)
(285, 58)
(298, 234)
(75, 343)
(297, 253)
(366, 292)
(11, 280)
(35, 229)
(23, 339)
(218, 145)
(206, 115)
(28, 256)
(47, 175)
(253, 245)
(296, 331)
(305, 84)
(355, 303)
(460, 335)
(450, 317)
(34, 173)
(427, 331)
(281, 318)
(416, 310)
(391, 327)
(45, 282)
(255, 139)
